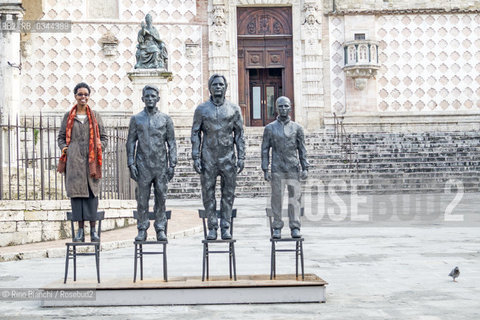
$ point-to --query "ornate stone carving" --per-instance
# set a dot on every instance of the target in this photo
(311, 27)
(109, 44)
(311, 14)
(218, 15)
(219, 23)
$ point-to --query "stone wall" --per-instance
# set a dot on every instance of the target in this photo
(24, 222)
(429, 69)
(363, 5)
(54, 62)
(428, 54)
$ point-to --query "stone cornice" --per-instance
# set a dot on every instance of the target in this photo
(400, 11)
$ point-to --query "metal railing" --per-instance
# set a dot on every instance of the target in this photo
(340, 134)
(29, 156)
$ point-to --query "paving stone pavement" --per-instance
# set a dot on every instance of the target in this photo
(389, 269)
(182, 223)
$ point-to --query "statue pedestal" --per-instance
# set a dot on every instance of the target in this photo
(189, 291)
(158, 77)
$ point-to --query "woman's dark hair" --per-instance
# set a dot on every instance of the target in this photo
(81, 85)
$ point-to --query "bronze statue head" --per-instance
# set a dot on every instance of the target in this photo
(284, 106)
(150, 96)
(217, 85)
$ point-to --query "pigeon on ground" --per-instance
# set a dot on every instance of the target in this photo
(454, 273)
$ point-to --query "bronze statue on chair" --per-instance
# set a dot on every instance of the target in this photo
(286, 141)
(216, 132)
(152, 157)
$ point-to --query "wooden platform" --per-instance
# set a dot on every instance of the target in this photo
(187, 291)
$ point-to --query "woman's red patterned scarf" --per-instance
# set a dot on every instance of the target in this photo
(94, 143)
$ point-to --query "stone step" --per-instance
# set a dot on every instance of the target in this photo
(366, 191)
(363, 179)
(365, 153)
(324, 166)
(383, 162)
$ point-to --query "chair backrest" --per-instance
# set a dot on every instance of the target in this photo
(100, 217)
(203, 215)
(151, 216)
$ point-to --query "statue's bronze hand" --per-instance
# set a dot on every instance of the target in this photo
(171, 173)
(267, 175)
(197, 165)
(133, 172)
(240, 165)
(304, 175)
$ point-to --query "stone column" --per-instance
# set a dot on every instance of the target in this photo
(11, 12)
(219, 56)
(10, 60)
(312, 68)
(141, 77)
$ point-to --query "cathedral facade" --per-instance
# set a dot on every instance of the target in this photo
(379, 65)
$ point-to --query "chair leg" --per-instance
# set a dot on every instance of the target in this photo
(301, 260)
(140, 252)
(234, 263)
(165, 276)
(230, 258)
(297, 247)
(97, 261)
(204, 261)
(272, 251)
(135, 263)
(67, 260)
(74, 249)
(207, 261)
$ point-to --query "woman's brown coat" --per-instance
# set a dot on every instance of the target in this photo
(77, 176)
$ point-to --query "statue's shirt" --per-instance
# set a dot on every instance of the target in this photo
(150, 134)
(216, 131)
(287, 142)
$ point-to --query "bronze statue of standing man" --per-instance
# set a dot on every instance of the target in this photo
(152, 157)
(216, 132)
(286, 140)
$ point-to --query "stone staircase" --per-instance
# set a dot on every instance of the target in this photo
(381, 163)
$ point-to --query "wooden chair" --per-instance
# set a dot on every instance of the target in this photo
(139, 253)
(72, 247)
(273, 254)
(207, 251)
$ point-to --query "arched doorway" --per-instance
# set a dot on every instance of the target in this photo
(265, 61)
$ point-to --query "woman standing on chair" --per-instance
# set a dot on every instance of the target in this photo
(82, 138)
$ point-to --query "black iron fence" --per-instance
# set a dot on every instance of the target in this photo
(29, 156)
(341, 136)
